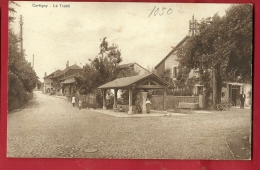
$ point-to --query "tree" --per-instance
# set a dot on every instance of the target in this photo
(87, 82)
(167, 77)
(106, 63)
(222, 49)
(12, 10)
(22, 78)
(125, 93)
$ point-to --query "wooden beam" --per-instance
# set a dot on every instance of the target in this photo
(150, 87)
(104, 98)
(115, 98)
(130, 101)
(164, 99)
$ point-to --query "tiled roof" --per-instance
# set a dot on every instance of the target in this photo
(127, 81)
(53, 74)
(130, 64)
(69, 80)
(73, 67)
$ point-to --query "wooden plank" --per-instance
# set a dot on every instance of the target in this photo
(150, 87)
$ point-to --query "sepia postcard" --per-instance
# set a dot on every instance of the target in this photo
(124, 80)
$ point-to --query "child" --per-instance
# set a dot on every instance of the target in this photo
(73, 101)
(121, 109)
(80, 104)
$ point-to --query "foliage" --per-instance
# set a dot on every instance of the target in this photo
(167, 77)
(39, 84)
(106, 63)
(125, 93)
(22, 77)
(222, 49)
(102, 69)
(88, 80)
(12, 10)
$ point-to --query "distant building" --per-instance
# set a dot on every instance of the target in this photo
(65, 81)
(138, 68)
(48, 83)
(62, 81)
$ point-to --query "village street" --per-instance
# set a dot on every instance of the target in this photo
(49, 126)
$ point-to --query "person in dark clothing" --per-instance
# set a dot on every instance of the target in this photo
(242, 100)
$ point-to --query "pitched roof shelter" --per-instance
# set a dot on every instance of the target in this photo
(142, 82)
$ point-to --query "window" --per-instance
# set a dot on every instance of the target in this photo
(199, 89)
(174, 72)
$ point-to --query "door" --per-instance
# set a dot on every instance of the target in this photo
(234, 96)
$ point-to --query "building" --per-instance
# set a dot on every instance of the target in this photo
(138, 68)
(62, 81)
(65, 81)
(48, 85)
(231, 91)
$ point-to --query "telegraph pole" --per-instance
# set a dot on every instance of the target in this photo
(21, 32)
(193, 27)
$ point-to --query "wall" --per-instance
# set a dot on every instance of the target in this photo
(160, 68)
(71, 72)
(171, 61)
(140, 69)
(172, 102)
(247, 89)
(47, 84)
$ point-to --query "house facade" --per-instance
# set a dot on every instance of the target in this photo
(65, 81)
(62, 81)
(48, 85)
(230, 92)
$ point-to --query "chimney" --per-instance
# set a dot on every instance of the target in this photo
(67, 65)
(45, 74)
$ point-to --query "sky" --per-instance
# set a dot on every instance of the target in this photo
(56, 34)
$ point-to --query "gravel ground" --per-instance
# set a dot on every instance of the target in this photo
(50, 127)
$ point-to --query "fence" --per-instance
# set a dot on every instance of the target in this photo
(88, 100)
(172, 102)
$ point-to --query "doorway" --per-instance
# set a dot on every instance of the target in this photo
(235, 92)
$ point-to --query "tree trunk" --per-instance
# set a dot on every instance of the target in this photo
(219, 83)
(216, 83)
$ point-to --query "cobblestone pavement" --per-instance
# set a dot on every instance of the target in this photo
(51, 127)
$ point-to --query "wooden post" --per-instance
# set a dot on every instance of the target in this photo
(104, 99)
(164, 99)
(115, 99)
(143, 102)
(130, 101)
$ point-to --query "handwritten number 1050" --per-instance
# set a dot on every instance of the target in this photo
(156, 10)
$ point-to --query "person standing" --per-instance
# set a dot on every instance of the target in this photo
(148, 105)
(80, 104)
(242, 100)
(73, 101)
